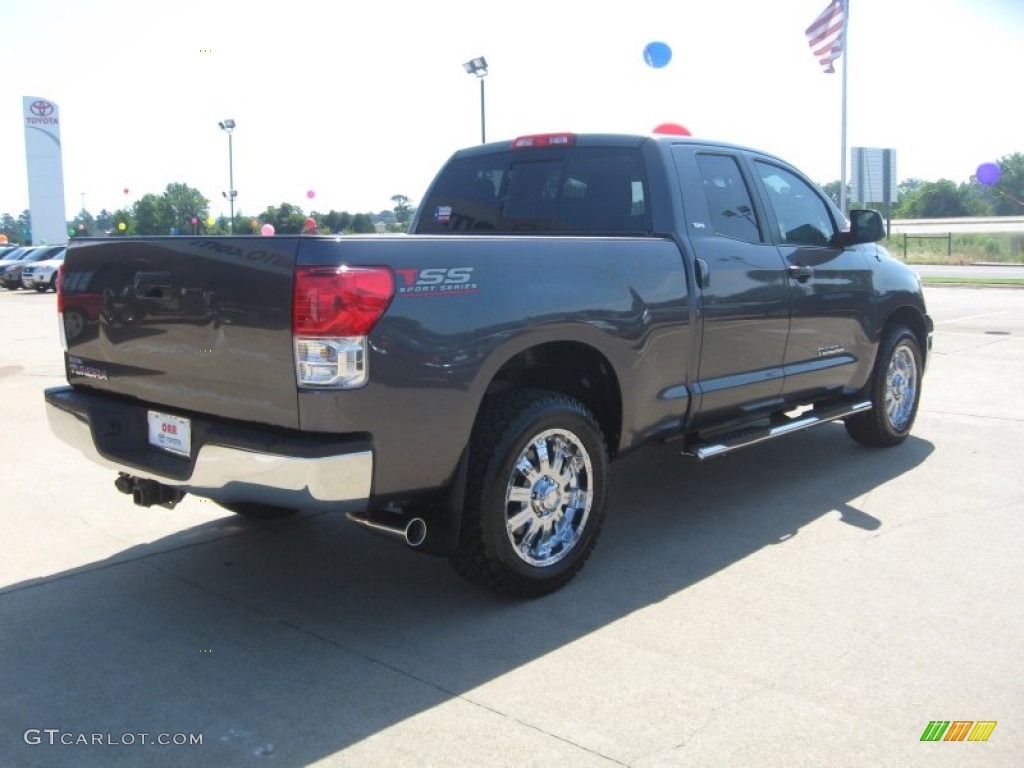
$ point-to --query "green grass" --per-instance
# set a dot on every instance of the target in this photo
(998, 248)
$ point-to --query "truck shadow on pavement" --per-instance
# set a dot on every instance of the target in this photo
(298, 639)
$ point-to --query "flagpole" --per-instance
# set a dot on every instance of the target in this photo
(846, 66)
(828, 38)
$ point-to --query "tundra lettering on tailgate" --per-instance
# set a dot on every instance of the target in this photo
(436, 281)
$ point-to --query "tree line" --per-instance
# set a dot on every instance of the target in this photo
(184, 210)
(944, 199)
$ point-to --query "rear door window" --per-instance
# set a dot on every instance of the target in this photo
(730, 207)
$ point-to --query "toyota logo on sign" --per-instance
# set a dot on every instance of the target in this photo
(41, 108)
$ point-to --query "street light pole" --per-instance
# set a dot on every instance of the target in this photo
(483, 117)
(478, 67)
(228, 126)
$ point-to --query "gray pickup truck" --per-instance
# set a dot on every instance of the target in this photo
(560, 300)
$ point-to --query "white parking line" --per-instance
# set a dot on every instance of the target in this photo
(971, 317)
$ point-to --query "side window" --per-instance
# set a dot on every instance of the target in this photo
(729, 204)
(802, 215)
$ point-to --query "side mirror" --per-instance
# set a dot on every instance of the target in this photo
(865, 227)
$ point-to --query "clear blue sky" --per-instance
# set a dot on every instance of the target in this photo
(361, 101)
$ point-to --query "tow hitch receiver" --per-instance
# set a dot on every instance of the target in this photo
(147, 493)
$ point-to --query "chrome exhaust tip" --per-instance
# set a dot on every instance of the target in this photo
(413, 531)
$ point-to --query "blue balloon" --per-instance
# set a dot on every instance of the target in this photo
(657, 55)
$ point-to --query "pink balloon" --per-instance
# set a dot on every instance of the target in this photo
(267, 230)
(126, 190)
(311, 194)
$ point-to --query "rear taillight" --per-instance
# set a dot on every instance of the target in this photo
(333, 311)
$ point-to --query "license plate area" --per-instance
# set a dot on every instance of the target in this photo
(170, 433)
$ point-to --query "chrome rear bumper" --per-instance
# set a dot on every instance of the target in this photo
(230, 474)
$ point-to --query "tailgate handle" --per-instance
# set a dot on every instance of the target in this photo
(154, 285)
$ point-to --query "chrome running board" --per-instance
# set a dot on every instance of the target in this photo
(719, 445)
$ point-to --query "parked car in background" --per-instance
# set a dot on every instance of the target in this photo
(42, 275)
(10, 273)
(13, 254)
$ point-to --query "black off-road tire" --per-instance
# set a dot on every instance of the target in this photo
(535, 494)
(895, 391)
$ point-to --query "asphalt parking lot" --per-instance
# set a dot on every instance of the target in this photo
(803, 602)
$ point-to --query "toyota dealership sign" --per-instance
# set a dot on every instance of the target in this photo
(41, 112)
(45, 171)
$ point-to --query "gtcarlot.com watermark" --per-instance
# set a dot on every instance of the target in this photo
(56, 736)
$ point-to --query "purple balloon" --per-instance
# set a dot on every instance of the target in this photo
(988, 174)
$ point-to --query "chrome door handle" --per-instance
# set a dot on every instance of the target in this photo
(800, 274)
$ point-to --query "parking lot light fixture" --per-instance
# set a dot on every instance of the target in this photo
(478, 67)
(228, 126)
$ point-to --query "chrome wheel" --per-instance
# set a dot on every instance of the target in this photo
(895, 389)
(901, 387)
(534, 497)
(548, 498)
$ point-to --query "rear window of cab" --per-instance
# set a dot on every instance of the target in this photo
(578, 190)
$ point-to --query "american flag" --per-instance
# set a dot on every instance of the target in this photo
(825, 35)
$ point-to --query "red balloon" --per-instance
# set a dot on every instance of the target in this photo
(126, 190)
(673, 129)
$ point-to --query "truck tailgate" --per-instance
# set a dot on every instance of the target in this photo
(189, 324)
